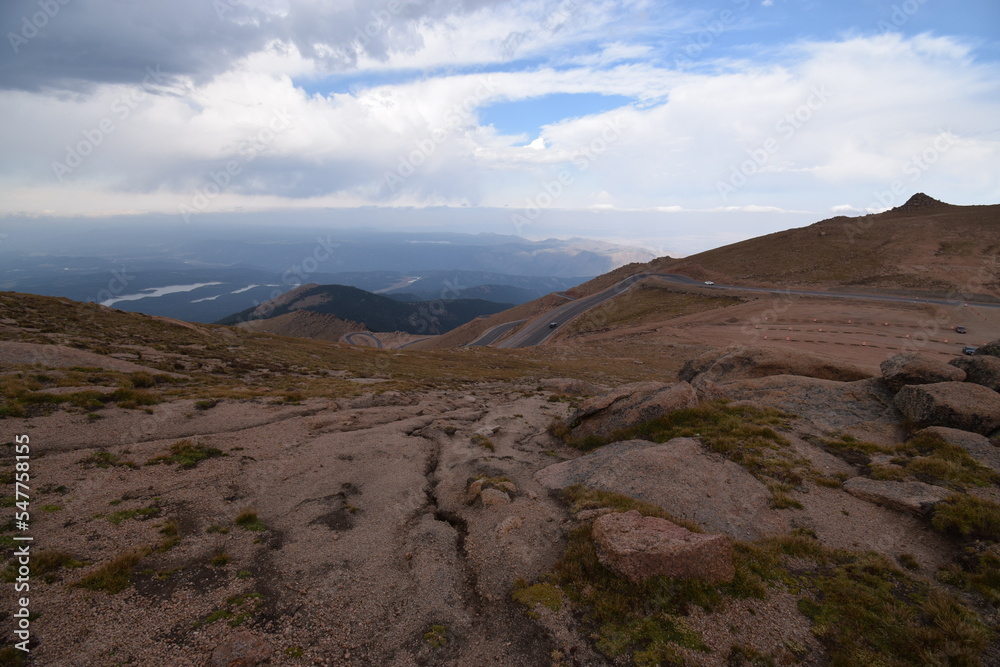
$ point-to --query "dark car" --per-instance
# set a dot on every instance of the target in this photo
(960, 330)
(553, 325)
(969, 350)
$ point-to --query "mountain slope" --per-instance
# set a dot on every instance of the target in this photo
(924, 244)
(377, 313)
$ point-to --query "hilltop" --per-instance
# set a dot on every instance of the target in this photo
(922, 246)
(313, 305)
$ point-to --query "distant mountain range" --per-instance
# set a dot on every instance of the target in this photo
(210, 273)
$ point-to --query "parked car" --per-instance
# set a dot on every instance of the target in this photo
(553, 325)
(961, 330)
(969, 350)
(709, 282)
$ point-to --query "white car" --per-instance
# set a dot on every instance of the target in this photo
(709, 282)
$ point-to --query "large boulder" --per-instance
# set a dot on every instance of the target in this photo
(961, 405)
(859, 407)
(913, 497)
(627, 406)
(639, 547)
(680, 477)
(910, 368)
(753, 361)
(990, 349)
(980, 369)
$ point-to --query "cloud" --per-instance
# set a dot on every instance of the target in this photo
(790, 127)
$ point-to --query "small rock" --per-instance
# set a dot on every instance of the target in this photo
(486, 431)
(909, 368)
(640, 547)
(508, 524)
(241, 650)
(494, 497)
(509, 487)
(913, 497)
(473, 490)
(961, 405)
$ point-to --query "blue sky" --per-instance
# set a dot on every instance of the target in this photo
(680, 125)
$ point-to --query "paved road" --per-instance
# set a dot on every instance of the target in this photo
(539, 329)
(351, 336)
(493, 334)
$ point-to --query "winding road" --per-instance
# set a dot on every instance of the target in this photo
(537, 330)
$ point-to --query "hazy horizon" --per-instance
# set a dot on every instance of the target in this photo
(676, 127)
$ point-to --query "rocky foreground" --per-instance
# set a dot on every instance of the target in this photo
(735, 515)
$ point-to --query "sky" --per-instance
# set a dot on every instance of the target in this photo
(677, 125)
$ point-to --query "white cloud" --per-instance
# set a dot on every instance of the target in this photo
(887, 100)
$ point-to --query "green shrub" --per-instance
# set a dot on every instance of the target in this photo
(248, 520)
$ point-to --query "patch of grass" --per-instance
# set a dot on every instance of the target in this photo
(238, 609)
(12, 657)
(219, 559)
(483, 441)
(217, 528)
(294, 651)
(171, 532)
(140, 513)
(969, 517)
(206, 404)
(935, 460)
(115, 575)
(248, 520)
(131, 399)
(544, 594)
(978, 571)
(848, 446)
(436, 636)
(44, 565)
(186, 454)
(887, 473)
(51, 508)
(926, 456)
(106, 460)
(582, 498)
(909, 561)
(141, 380)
